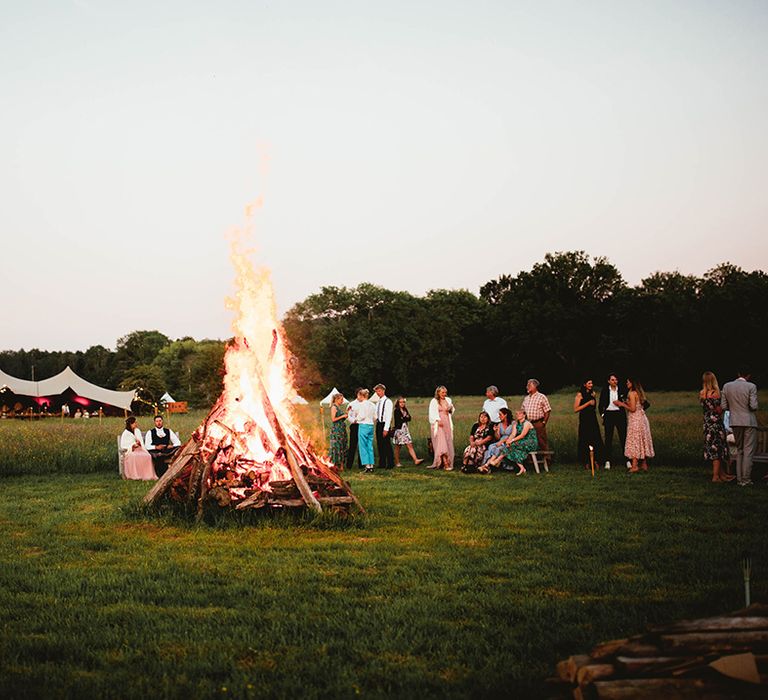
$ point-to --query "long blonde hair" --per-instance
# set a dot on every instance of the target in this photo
(709, 383)
(437, 392)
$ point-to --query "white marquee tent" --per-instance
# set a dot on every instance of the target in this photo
(67, 379)
(327, 400)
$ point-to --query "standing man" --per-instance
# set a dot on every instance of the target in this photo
(614, 416)
(493, 403)
(740, 398)
(537, 410)
(383, 424)
(161, 443)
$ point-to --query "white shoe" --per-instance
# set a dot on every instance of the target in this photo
(629, 464)
(607, 465)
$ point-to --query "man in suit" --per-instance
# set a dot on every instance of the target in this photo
(740, 398)
(614, 417)
(383, 425)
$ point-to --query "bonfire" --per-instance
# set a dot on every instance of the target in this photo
(249, 452)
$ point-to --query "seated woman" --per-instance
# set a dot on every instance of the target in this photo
(138, 462)
(518, 445)
(480, 436)
(503, 431)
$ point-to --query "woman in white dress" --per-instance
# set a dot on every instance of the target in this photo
(138, 462)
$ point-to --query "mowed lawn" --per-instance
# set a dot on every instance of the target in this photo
(453, 585)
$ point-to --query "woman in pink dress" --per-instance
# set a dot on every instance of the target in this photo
(441, 429)
(138, 462)
(639, 444)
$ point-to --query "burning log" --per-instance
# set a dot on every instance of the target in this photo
(716, 657)
(249, 451)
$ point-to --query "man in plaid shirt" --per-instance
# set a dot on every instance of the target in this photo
(537, 410)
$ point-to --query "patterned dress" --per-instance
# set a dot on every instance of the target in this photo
(473, 454)
(519, 450)
(337, 451)
(715, 443)
(639, 444)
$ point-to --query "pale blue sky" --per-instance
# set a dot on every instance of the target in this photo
(467, 138)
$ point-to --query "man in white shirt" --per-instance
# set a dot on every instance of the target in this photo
(493, 403)
(614, 417)
(161, 443)
(383, 424)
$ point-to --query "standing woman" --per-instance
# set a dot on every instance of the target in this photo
(715, 439)
(138, 462)
(337, 451)
(402, 435)
(639, 444)
(585, 404)
(365, 415)
(441, 429)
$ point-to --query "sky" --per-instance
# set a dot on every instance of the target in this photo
(413, 145)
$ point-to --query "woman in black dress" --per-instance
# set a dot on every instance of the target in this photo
(585, 404)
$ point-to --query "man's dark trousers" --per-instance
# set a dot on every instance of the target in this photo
(386, 456)
(614, 420)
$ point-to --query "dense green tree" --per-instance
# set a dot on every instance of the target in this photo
(147, 380)
(137, 348)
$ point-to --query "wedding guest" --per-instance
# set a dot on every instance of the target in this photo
(364, 415)
(441, 429)
(402, 434)
(639, 444)
(537, 408)
(584, 403)
(337, 452)
(493, 403)
(480, 436)
(614, 416)
(517, 446)
(383, 426)
(740, 398)
(502, 431)
(715, 440)
(161, 443)
(78, 413)
(86, 414)
(138, 462)
(352, 453)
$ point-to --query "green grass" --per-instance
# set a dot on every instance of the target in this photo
(453, 585)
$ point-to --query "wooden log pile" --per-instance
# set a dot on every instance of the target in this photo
(715, 657)
(211, 471)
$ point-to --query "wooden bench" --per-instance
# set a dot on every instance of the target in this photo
(761, 446)
(543, 457)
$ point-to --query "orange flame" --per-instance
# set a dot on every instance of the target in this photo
(257, 379)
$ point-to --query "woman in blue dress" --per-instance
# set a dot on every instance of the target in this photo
(519, 445)
(503, 431)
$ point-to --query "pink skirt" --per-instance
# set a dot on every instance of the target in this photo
(138, 465)
(442, 441)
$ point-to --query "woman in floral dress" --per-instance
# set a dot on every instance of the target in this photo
(337, 452)
(479, 438)
(519, 444)
(715, 442)
(401, 416)
(638, 446)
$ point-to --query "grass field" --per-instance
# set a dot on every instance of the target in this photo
(452, 586)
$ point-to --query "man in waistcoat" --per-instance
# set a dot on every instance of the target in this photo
(162, 444)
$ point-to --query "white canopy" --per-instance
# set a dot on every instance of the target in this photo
(327, 400)
(167, 398)
(299, 400)
(67, 379)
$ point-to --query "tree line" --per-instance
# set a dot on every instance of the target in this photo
(569, 318)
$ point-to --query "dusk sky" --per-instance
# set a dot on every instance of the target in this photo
(414, 145)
